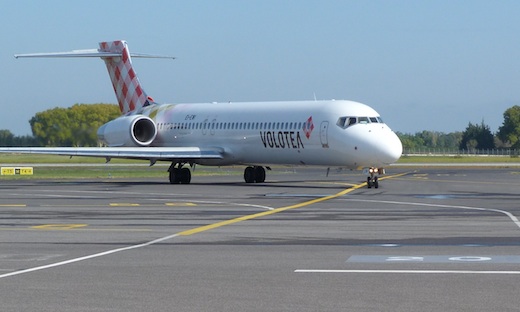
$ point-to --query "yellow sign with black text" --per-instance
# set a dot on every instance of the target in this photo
(17, 170)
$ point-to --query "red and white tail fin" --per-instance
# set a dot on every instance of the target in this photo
(130, 95)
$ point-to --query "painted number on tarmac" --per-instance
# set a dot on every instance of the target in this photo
(435, 259)
(422, 259)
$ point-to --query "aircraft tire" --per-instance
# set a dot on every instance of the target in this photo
(259, 174)
(249, 175)
(184, 176)
(174, 176)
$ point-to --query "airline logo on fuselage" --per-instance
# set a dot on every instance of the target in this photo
(308, 127)
(287, 139)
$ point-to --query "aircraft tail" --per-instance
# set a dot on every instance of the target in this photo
(129, 93)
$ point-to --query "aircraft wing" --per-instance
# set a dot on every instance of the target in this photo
(148, 153)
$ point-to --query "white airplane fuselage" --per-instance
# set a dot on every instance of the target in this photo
(289, 133)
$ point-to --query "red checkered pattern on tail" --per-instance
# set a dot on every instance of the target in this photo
(126, 85)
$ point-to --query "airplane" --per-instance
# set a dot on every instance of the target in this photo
(331, 133)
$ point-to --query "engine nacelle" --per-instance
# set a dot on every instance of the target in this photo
(135, 130)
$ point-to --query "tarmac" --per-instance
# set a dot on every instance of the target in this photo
(428, 239)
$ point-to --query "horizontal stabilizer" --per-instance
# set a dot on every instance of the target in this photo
(90, 53)
(129, 92)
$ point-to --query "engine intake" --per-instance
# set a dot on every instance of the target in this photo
(136, 130)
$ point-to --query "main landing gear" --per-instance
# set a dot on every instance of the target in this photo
(373, 179)
(254, 174)
(182, 175)
(179, 174)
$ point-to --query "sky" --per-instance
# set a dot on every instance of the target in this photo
(422, 65)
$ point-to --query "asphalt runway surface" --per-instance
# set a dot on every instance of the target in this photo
(428, 239)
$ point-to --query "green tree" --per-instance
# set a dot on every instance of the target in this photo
(449, 140)
(6, 138)
(430, 139)
(10, 140)
(25, 140)
(477, 137)
(410, 141)
(73, 126)
(509, 132)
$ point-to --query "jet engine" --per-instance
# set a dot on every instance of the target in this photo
(134, 130)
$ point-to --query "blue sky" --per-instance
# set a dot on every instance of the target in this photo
(423, 65)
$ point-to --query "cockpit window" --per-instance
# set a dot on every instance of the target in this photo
(363, 120)
(345, 122)
(341, 122)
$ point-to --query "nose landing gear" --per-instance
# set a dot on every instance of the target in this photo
(372, 181)
(373, 176)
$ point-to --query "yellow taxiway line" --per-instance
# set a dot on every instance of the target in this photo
(277, 210)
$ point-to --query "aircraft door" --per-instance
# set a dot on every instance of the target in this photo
(204, 125)
(213, 126)
(323, 134)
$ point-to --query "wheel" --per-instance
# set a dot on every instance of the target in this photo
(259, 174)
(376, 182)
(369, 182)
(249, 175)
(185, 176)
(175, 176)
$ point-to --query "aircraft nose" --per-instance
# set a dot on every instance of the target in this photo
(387, 147)
(391, 148)
(379, 145)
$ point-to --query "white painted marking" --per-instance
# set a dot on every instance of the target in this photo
(101, 254)
(459, 259)
(409, 271)
(221, 203)
(251, 205)
(510, 215)
(405, 258)
(469, 259)
(146, 196)
(97, 255)
(36, 194)
(27, 257)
